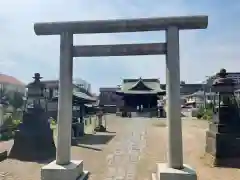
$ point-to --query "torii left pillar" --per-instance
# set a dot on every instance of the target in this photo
(63, 168)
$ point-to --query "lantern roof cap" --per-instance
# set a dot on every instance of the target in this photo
(36, 82)
(37, 76)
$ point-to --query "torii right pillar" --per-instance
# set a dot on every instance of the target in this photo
(174, 169)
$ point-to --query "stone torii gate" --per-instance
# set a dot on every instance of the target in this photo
(65, 168)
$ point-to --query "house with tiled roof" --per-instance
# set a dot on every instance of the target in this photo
(80, 93)
(10, 84)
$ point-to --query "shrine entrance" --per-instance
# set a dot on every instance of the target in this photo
(170, 48)
(144, 101)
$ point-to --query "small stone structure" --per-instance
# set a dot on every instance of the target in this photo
(33, 140)
(174, 169)
(100, 118)
(223, 136)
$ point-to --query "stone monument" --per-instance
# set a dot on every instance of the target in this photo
(223, 136)
(33, 140)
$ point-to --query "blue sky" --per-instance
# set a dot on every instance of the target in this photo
(202, 52)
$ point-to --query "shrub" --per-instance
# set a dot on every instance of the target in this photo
(52, 122)
(208, 114)
(200, 113)
(16, 123)
(205, 113)
(6, 136)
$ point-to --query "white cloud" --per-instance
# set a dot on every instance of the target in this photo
(7, 64)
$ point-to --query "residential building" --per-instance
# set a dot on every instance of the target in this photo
(82, 84)
(235, 76)
(237, 95)
(52, 92)
(187, 89)
(109, 100)
(199, 98)
(10, 84)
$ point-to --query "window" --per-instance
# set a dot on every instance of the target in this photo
(76, 89)
(55, 92)
(50, 93)
(112, 98)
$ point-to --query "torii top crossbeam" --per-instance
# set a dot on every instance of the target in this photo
(121, 25)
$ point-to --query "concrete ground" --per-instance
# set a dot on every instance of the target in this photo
(129, 151)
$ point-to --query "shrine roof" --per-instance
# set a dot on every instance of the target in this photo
(141, 86)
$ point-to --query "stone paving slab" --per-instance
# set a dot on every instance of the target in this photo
(122, 161)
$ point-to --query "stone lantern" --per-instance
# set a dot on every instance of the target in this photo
(36, 95)
(223, 136)
(33, 139)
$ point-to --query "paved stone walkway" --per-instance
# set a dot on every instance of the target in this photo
(122, 162)
(116, 157)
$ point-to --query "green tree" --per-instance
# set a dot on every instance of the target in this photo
(16, 100)
(163, 86)
(3, 91)
(3, 95)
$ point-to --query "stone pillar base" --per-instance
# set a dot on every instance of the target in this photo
(166, 173)
(72, 171)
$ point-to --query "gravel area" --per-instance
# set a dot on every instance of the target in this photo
(193, 149)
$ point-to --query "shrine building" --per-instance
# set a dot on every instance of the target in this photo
(140, 92)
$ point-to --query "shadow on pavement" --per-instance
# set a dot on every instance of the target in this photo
(36, 160)
(94, 139)
(111, 132)
(88, 147)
